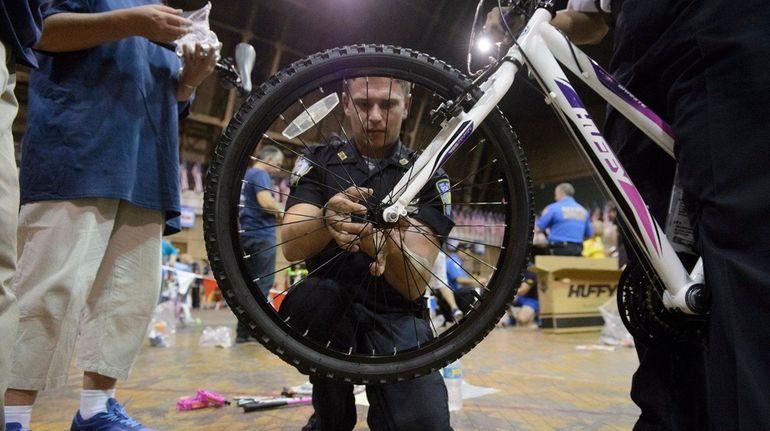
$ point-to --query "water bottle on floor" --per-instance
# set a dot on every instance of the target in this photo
(453, 378)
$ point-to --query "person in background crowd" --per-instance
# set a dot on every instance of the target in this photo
(566, 222)
(445, 297)
(527, 300)
(99, 176)
(594, 246)
(258, 217)
(169, 253)
(460, 279)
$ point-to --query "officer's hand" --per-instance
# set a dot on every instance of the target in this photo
(380, 243)
(339, 211)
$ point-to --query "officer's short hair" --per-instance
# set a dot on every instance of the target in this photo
(269, 152)
(567, 189)
(406, 86)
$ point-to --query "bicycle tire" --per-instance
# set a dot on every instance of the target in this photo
(225, 175)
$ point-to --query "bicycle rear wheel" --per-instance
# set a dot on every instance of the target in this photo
(490, 200)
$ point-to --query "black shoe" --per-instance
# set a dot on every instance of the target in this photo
(310, 426)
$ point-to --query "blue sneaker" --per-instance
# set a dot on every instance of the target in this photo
(114, 419)
(14, 426)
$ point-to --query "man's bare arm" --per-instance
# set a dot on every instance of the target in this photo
(69, 31)
(580, 27)
(268, 203)
(303, 232)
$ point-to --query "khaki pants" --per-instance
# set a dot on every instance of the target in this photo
(89, 267)
(9, 210)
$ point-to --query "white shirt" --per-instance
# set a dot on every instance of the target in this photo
(438, 280)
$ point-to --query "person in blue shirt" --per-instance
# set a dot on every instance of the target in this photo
(169, 253)
(461, 281)
(566, 222)
(258, 216)
(527, 300)
(20, 24)
(99, 177)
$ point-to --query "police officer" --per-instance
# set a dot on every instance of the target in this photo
(363, 279)
(567, 222)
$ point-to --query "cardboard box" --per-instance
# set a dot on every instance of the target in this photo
(571, 289)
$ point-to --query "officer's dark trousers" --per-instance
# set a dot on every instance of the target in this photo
(704, 67)
(261, 264)
(326, 310)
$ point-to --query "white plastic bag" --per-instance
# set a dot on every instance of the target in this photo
(614, 333)
(201, 33)
(221, 336)
(162, 330)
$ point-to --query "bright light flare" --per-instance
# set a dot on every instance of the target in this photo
(484, 44)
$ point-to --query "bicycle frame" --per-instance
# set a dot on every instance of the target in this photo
(542, 47)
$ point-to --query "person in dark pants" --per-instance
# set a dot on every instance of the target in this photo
(703, 66)
(461, 281)
(567, 223)
(258, 216)
(367, 299)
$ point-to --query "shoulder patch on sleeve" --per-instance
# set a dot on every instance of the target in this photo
(301, 168)
(444, 190)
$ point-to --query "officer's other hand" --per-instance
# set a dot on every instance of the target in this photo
(159, 23)
(381, 243)
(339, 211)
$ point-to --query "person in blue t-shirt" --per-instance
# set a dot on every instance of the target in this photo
(566, 222)
(99, 177)
(20, 24)
(258, 216)
(527, 300)
(460, 279)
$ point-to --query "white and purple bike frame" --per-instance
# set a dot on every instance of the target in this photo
(542, 47)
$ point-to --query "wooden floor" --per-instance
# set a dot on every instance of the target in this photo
(544, 383)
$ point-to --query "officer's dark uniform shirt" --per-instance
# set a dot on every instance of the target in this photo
(326, 170)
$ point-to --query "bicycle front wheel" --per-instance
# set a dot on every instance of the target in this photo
(489, 193)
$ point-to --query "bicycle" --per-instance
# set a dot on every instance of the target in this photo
(456, 128)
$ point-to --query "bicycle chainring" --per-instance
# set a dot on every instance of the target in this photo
(641, 308)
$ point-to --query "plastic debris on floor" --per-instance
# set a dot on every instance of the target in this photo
(221, 336)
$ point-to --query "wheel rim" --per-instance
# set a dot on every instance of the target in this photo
(478, 182)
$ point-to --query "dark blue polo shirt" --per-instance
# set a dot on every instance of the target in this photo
(323, 171)
(567, 220)
(255, 222)
(103, 122)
